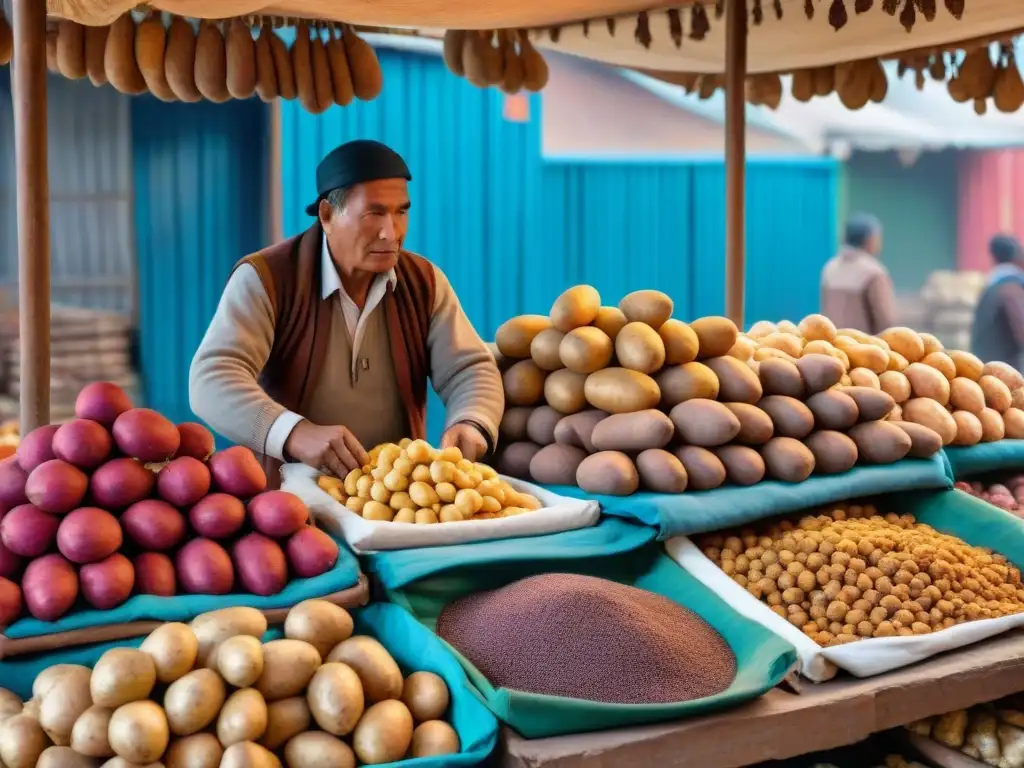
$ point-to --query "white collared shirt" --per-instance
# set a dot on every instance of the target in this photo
(355, 323)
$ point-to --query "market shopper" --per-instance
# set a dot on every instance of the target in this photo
(322, 345)
(998, 329)
(856, 291)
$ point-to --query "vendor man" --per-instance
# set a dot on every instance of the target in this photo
(321, 345)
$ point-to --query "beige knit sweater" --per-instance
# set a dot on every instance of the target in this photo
(357, 388)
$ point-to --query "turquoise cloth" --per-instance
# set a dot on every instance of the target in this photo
(692, 512)
(396, 568)
(412, 646)
(345, 574)
(1006, 455)
(762, 658)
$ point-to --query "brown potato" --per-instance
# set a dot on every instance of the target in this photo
(545, 349)
(679, 383)
(790, 417)
(715, 335)
(661, 471)
(868, 356)
(639, 348)
(577, 306)
(967, 365)
(896, 414)
(610, 320)
(816, 328)
(966, 395)
(896, 385)
(651, 307)
(781, 377)
(834, 452)
(820, 372)
(787, 459)
(755, 425)
(992, 427)
(744, 348)
(743, 465)
(314, 749)
(540, 426)
(288, 666)
(335, 698)
(762, 328)
(931, 343)
(897, 362)
(819, 347)
(862, 338)
(515, 336)
(770, 353)
(872, 404)
(585, 350)
(1017, 397)
(609, 473)
(905, 342)
(997, 394)
(564, 390)
(705, 422)
(378, 671)
(788, 343)
(514, 459)
(925, 381)
(556, 464)
(924, 442)
(201, 750)
(737, 383)
(243, 717)
(862, 377)
(704, 470)
(942, 363)
(633, 432)
(513, 423)
(928, 413)
(619, 390)
(968, 428)
(1013, 421)
(523, 383)
(1007, 374)
(285, 719)
(577, 429)
(879, 442)
(680, 340)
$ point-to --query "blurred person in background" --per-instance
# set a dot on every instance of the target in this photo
(856, 291)
(998, 330)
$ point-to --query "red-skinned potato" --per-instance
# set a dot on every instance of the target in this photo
(146, 435)
(102, 402)
(260, 564)
(37, 447)
(183, 482)
(88, 534)
(56, 487)
(10, 563)
(49, 587)
(311, 552)
(12, 482)
(27, 531)
(153, 524)
(10, 602)
(237, 472)
(154, 574)
(120, 483)
(218, 516)
(108, 583)
(278, 513)
(82, 443)
(195, 441)
(204, 567)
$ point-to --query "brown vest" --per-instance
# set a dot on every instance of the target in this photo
(291, 274)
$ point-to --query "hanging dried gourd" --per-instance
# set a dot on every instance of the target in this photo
(211, 67)
(707, 86)
(95, 46)
(764, 90)
(535, 69)
(180, 61)
(937, 67)
(6, 40)
(341, 75)
(150, 53)
(240, 59)
(494, 63)
(1008, 91)
(119, 57)
(515, 74)
(454, 40)
(879, 82)
(322, 84)
(854, 81)
(71, 49)
(824, 81)
(977, 73)
(980, 106)
(283, 68)
(957, 90)
(302, 63)
(266, 77)
(51, 48)
(474, 59)
(367, 77)
(802, 86)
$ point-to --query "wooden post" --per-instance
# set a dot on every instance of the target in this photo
(735, 157)
(275, 217)
(28, 93)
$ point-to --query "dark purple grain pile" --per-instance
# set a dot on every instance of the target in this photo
(585, 638)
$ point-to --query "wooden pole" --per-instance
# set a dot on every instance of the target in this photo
(28, 94)
(735, 157)
(275, 217)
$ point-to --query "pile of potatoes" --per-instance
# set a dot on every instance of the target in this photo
(618, 399)
(851, 573)
(412, 482)
(211, 694)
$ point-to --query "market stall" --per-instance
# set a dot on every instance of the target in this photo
(673, 428)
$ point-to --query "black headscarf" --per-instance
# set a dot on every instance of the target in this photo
(356, 162)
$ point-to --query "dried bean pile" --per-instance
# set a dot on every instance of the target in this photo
(581, 637)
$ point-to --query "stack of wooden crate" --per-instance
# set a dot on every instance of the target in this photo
(86, 345)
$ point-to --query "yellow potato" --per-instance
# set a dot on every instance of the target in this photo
(63, 705)
(426, 696)
(201, 750)
(432, 738)
(336, 698)
(407, 515)
(246, 754)
(420, 452)
(355, 504)
(442, 471)
(316, 749)
(214, 627)
(89, 734)
(121, 675)
(425, 517)
(352, 482)
(423, 494)
(288, 666)
(193, 701)
(319, 623)
(240, 660)
(450, 514)
(285, 719)
(384, 734)
(401, 500)
(364, 485)
(138, 732)
(451, 454)
(375, 510)
(468, 501)
(243, 717)
(445, 492)
(379, 674)
(22, 741)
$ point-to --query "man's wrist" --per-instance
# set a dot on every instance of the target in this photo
(483, 431)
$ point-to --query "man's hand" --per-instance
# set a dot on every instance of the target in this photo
(467, 438)
(332, 448)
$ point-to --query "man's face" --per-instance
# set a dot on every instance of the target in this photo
(874, 244)
(367, 234)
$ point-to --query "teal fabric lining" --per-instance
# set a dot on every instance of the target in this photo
(986, 457)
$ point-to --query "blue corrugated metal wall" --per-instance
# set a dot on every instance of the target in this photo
(199, 207)
(512, 230)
